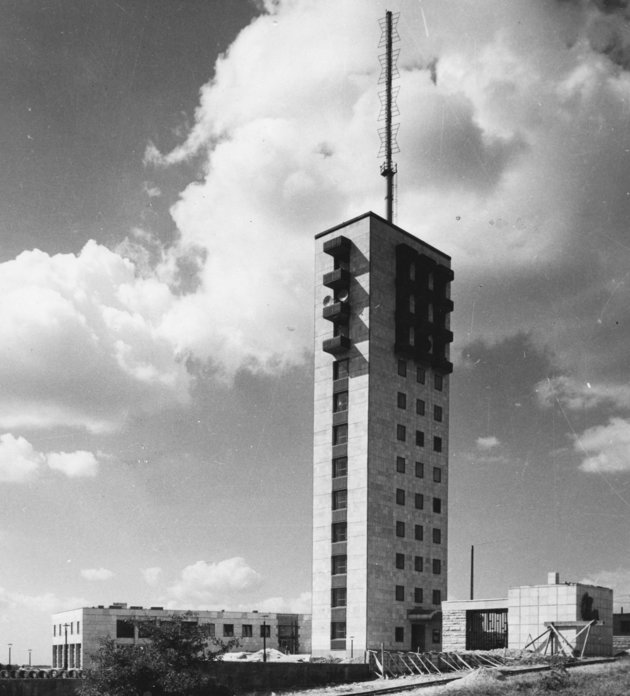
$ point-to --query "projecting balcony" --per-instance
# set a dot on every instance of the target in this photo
(338, 248)
(443, 335)
(444, 303)
(443, 366)
(337, 279)
(336, 345)
(337, 312)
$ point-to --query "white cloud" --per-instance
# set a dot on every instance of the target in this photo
(73, 464)
(487, 443)
(82, 343)
(152, 575)
(96, 574)
(19, 461)
(605, 448)
(47, 603)
(295, 605)
(207, 584)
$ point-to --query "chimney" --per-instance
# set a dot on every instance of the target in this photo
(553, 578)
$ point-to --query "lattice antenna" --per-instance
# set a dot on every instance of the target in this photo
(389, 108)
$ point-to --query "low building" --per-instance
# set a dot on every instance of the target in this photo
(76, 634)
(621, 630)
(525, 617)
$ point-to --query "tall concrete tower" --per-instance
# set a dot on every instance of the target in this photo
(380, 512)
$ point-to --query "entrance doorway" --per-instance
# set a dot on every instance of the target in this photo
(418, 641)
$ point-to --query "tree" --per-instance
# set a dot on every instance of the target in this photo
(170, 659)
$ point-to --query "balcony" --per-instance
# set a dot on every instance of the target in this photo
(336, 345)
(337, 312)
(337, 279)
(338, 248)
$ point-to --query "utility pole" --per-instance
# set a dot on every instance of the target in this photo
(10, 646)
(29, 656)
(264, 628)
(472, 572)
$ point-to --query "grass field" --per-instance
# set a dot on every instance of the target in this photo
(605, 680)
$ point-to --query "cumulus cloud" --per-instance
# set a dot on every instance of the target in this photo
(96, 574)
(204, 584)
(487, 443)
(20, 461)
(73, 464)
(152, 575)
(83, 342)
(605, 448)
(301, 604)
(47, 603)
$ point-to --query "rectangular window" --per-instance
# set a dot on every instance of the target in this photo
(402, 368)
(55, 630)
(401, 433)
(400, 593)
(412, 304)
(419, 501)
(412, 335)
(400, 496)
(437, 444)
(339, 531)
(340, 500)
(71, 627)
(400, 465)
(437, 597)
(437, 536)
(399, 634)
(437, 413)
(340, 401)
(436, 636)
(340, 434)
(339, 564)
(418, 595)
(338, 597)
(211, 630)
(420, 406)
(401, 400)
(228, 630)
(420, 375)
(437, 474)
(400, 561)
(418, 532)
(418, 564)
(78, 627)
(340, 369)
(340, 467)
(337, 630)
(437, 566)
(247, 631)
(438, 382)
(437, 505)
(419, 470)
(419, 438)
(124, 629)
(265, 631)
(400, 529)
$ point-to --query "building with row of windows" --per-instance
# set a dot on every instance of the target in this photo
(381, 407)
(76, 634)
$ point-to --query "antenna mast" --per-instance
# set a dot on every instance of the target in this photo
(389, 108)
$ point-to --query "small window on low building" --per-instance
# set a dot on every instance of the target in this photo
(228, 630)
(248, 631)
(265, 631)
(124, 629)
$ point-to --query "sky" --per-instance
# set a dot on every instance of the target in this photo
(167, 164)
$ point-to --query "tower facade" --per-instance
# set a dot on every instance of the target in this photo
(380, 503)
